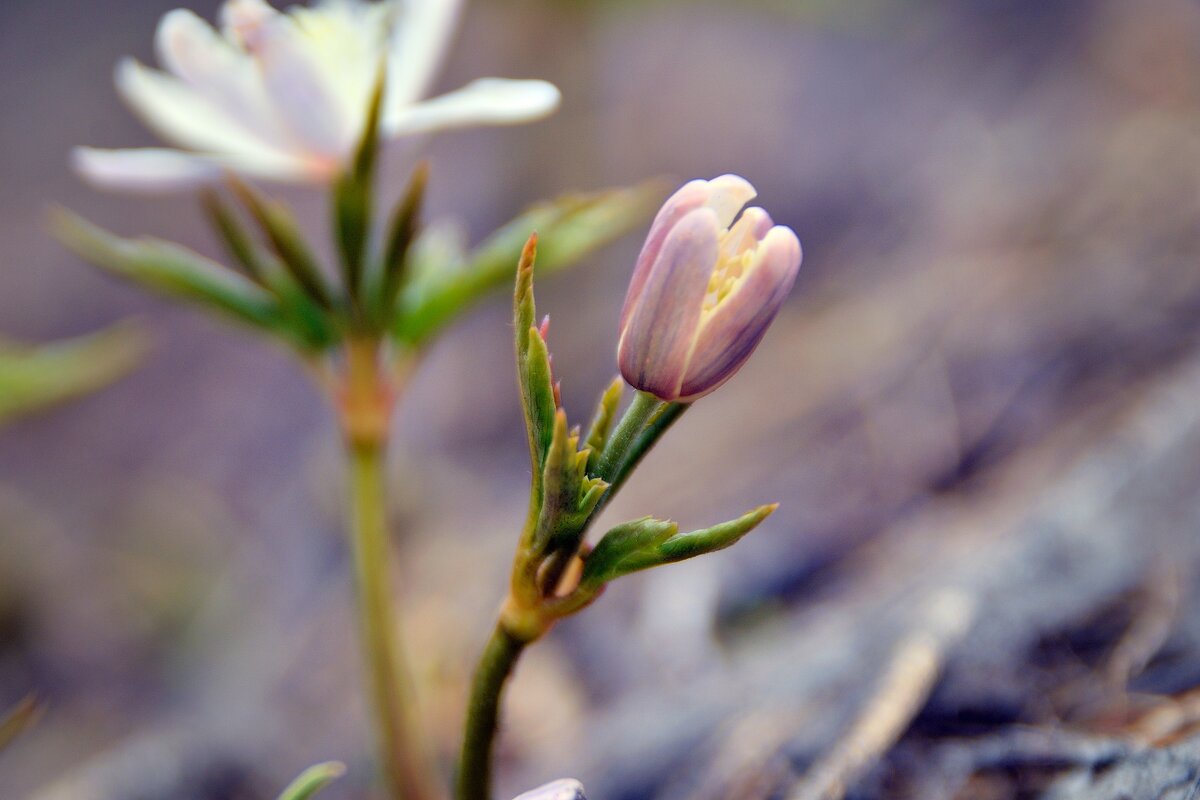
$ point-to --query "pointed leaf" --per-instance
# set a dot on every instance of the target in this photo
(604, 562)
(401, 235)
(678, 547)
(313, 780)
(283, 232)
(237, 240)
(352, 195)
(170, 269)
(533, 366)
(32, 378)
(570, 227)
(602, 422)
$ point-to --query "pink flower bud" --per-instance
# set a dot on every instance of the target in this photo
(704, 291)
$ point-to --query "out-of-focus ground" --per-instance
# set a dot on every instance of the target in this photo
(981, 412)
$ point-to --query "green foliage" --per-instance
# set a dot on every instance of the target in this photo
(568, 229)
(353, 193)
(170, 269)
(32, 378)
(283, 232)
(392, 271)
(569, 496)
(313, 780)
(571, 484)
(602, 421)
(647, 543)
(534, 372)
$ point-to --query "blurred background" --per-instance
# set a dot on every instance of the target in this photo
(984, 380)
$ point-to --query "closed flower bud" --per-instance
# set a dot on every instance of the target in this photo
(705, 290)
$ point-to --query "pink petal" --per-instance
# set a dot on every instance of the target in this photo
(730, 335)
(661, 329)
(725, 195)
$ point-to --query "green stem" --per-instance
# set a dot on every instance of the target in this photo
(639, 413)
(366, 404)
(495, 666)
(658, 425)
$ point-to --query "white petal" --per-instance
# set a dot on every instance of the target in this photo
(490, 101)
(218, 71)
(728, 194)
(242, 19)
(149, 170)
(182, 116)
(164, 170)
(348, 39)
(305, 87)
(419, 41)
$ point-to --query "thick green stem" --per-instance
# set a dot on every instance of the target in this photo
(406, 768)
(639, 413)
(495, 666)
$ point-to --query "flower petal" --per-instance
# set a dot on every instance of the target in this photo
(144, 170)
(165, 170)
(242, 19)
(180, 115)
(304, 95)
(348, 40)
(726, 195)
(662, 326)
(489, 101)
(732, 331)
(422, 30)
(219, 72)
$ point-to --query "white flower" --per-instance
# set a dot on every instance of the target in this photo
(284, 95)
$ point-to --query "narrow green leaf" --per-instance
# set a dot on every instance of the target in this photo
(234, 236)
(402, 232)
(570, 227)
(633, 550)
(533, 365)
(568, 496)
(283, 232)
(310, 327)
(32, 378)
(19, 719)
(602, 422)
(168, 268)
(689, 545)
(353, 191)
(313, 780)
(604, 562)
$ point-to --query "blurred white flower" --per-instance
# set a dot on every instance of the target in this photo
(285, 95)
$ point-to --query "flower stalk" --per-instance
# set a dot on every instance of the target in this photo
(496, 665)
(706, 287)
(366, 406)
